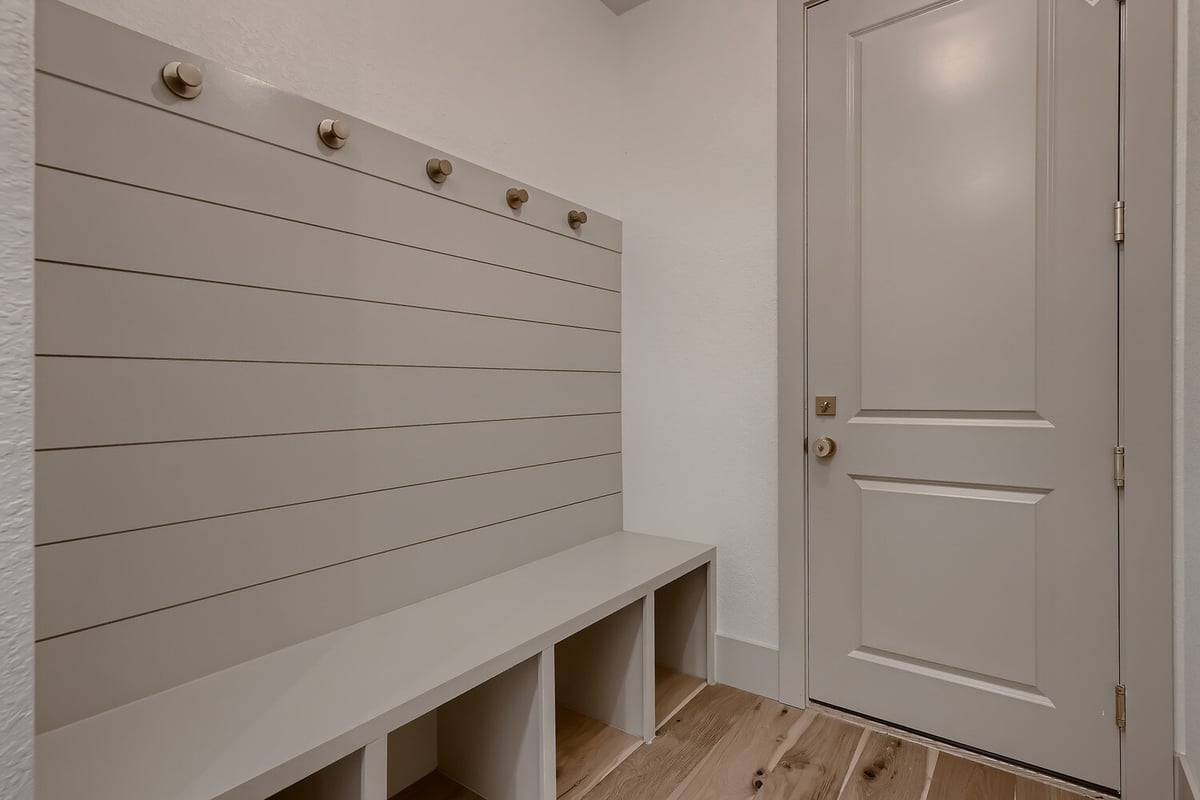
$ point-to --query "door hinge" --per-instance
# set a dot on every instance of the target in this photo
(1120, 692)
(1119, 467)
(1119, 221)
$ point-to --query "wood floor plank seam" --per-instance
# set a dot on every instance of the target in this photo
(1070, 789)
(727, 744)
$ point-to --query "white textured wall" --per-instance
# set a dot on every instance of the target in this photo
(699, 352)
(529, 88)
(16, 399)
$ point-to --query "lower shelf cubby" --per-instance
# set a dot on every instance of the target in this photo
(600, 719)
(485, 744)
(344, 779)
(681, 643)
(436, 786)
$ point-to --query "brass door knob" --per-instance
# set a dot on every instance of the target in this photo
(824, 447)
(576, 219)
(438, 169)
(516, 197)
(334, 132)
(184, 79)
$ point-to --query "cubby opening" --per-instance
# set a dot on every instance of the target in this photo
(345, 779)
(485, 744)
(600, 686)
(681, 643)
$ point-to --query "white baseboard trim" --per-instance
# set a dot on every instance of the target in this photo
(748, 666)
(1186, 787)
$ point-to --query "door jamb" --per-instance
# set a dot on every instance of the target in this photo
(1146, 363)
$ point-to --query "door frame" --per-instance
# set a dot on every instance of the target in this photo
(1147, 339)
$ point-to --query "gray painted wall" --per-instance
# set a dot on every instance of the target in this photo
(182, 360)
(16, 399)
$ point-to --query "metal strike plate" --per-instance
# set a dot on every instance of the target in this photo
(826, 405)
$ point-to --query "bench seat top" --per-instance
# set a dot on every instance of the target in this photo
(252, 729)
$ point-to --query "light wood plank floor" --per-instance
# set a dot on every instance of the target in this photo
(729, 745)
(672, 691)
(586, 751)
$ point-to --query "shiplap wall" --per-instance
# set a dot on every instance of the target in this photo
(282, 388)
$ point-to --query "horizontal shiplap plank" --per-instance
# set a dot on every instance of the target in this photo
(69, 39)
(83, 220)
(87, 131)
(85, 402)
(83, 311)
(101, 490)
(91, 671)
(94, 581)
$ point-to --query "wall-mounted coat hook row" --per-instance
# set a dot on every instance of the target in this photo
(185, 80)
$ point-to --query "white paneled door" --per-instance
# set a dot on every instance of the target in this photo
(962, 293)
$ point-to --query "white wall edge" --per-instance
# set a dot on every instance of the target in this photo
(1179, 486)
(1186, 787)
(749, 666)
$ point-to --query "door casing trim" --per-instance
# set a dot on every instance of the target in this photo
(1147, 338)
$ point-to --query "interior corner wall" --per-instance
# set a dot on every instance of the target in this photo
(699, 304)
(16, 400)
(528, 88)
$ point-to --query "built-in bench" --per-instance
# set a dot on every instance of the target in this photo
(615, 633)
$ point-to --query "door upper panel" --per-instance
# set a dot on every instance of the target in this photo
(946, 129)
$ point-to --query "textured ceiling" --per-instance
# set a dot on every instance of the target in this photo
(621, 6)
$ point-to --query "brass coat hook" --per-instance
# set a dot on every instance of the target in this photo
(184, 79)
(438, 169)
(516, 197)
(334, 132)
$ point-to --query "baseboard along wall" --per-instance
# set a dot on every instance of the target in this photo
(749, 666)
